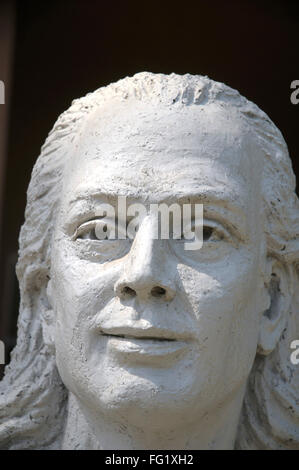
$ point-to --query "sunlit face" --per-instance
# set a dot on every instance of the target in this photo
(183, 337)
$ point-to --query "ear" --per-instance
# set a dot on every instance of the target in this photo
(273, 320)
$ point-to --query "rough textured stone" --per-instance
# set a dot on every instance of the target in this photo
(141, 344)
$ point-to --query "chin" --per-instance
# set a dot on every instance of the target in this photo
(145, 399)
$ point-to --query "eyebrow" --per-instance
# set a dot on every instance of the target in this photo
(229, 202)
(204, 192)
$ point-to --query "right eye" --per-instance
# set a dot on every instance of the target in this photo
(95, 230)
(96, 241)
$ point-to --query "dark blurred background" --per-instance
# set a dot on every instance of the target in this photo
(54, 51)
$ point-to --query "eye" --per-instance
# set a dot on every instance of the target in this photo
(91, 235)
(209, 232)
(95, 230)
(96, 241)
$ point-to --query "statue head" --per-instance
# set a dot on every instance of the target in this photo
(139, 328)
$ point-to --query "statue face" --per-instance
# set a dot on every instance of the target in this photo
(172, 357)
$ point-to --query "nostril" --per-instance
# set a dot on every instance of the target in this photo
(158, 291)
(128, 291)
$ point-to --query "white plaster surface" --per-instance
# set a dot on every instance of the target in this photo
(206, 364)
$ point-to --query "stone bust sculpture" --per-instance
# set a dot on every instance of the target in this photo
(138, 344)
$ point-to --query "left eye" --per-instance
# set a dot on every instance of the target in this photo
(208, 233)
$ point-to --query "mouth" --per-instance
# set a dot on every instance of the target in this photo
(145, 345)
(146, 338)
(148, 334)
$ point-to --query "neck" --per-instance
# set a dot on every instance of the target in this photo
(216, 429)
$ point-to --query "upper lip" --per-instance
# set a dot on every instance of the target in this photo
(148, 333)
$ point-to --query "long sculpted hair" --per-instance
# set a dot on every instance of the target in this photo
(33, 398)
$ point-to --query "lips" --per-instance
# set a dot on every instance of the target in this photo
(150, 345)
(147, 334)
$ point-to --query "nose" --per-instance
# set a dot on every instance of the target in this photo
(148, 273)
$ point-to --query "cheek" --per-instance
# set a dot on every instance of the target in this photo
(81, 289)
(225, 287)
(225, 303)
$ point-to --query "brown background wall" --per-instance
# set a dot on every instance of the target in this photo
(52, 52)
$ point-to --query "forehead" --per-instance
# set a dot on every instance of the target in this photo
(139, 149)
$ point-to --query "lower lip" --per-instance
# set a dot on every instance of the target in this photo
(146, 349)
